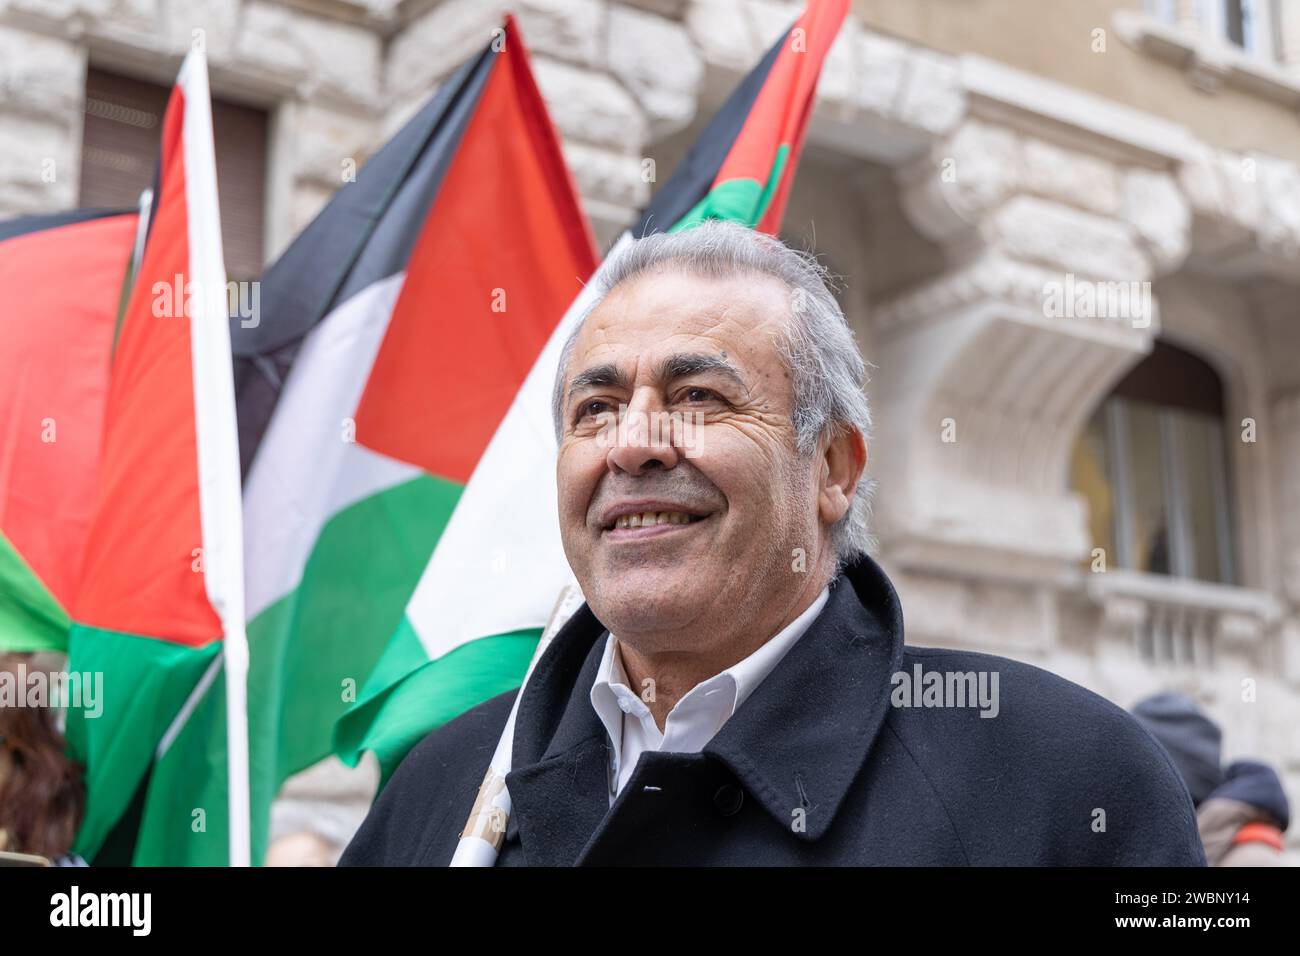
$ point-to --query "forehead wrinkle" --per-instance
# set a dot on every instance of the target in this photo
(621, 305)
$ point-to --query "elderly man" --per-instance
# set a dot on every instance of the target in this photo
(736, 689)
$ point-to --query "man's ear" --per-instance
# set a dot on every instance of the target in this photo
(843, 462)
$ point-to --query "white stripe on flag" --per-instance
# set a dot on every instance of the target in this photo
(305, 471)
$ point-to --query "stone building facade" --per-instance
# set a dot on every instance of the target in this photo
(1025, 201)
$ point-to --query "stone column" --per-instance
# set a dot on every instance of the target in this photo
(42, 84)
(1286, 422)
(1286, 24)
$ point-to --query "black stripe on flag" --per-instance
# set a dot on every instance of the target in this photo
(21, 226)
(694, 175)
(364, 234)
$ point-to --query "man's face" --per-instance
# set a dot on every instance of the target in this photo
(689, 366)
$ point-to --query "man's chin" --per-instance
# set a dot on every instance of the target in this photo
(647, 600)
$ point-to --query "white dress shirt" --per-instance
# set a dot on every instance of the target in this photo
(697, 716)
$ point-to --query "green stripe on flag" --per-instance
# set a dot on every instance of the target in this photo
(30, 617)
(185, 821)
(309, 654)
(391, 718)
(142, 684)
(334, 626)
(737, 200)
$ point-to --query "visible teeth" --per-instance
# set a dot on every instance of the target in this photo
(649, 519)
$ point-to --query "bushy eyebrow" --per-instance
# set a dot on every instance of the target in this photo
(597, 376)
(694, 363)
(669, 369)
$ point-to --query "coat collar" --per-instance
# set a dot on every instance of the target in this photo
(796, 744)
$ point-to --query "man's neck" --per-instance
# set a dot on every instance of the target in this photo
(675, 673)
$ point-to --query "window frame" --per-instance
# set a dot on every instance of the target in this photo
(1182, 552)
(1259, 23)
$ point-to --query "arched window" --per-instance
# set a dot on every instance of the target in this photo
(1152, 464)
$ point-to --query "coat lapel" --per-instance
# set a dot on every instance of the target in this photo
(560, 785)
(798, 743)
(800, 740)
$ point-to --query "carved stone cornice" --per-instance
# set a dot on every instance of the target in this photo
(1022, 195)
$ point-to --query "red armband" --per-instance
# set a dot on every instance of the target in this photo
(1259, 833)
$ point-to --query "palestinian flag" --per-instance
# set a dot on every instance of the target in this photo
(498, 566)
(395, 332)
(743, 165)
(161, 582)
(62, 276)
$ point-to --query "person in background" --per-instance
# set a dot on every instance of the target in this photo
(42, 796)
(1243, 820)
(1192, 740)
(318, 810)
(1241, 811)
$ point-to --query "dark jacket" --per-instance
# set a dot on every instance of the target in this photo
(816, 767)
(1258, 784)
(1243, 820)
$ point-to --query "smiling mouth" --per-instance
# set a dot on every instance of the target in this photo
(650, 523)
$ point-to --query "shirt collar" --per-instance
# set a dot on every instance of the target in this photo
(610, 692)
(560, 770)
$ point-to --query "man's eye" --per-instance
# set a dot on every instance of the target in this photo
(592, 407)
(694, 394)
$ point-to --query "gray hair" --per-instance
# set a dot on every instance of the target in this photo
(818, 348)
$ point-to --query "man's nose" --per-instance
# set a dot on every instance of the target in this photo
(644, 438)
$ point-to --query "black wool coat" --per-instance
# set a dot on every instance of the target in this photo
(821, 765)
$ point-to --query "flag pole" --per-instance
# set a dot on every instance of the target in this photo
(141, 230)
(236, 662)
(220, 484)
(145, 210)
(485, 830)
